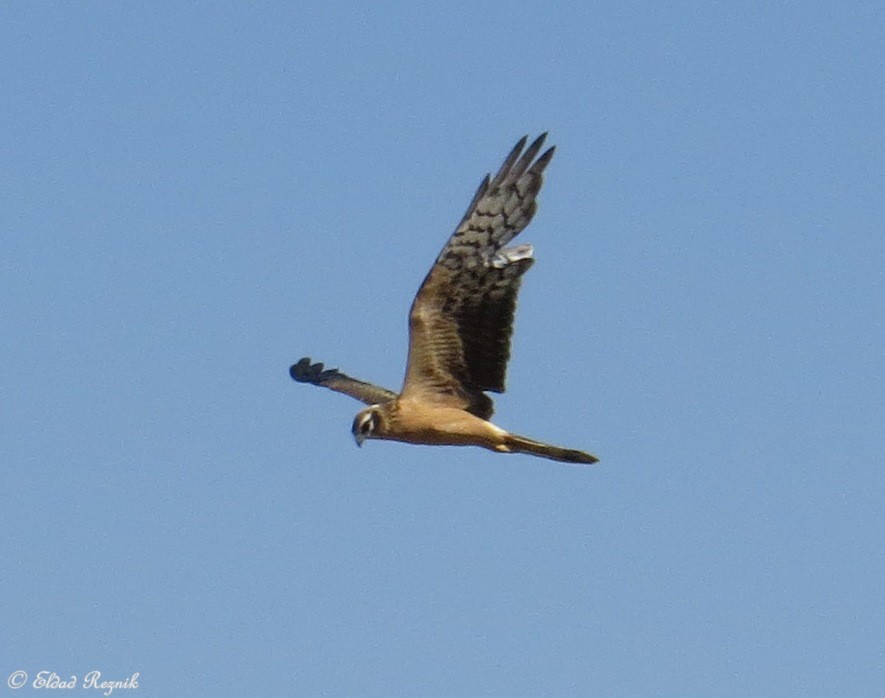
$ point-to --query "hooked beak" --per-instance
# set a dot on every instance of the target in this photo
(359, 438)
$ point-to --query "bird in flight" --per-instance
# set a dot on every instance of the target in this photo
(460, 325)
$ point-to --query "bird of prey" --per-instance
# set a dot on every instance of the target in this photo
(459, 328)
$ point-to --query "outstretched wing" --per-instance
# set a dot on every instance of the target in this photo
(462, 318)
(333, 379)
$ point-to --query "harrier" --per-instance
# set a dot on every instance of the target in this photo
(459, 328)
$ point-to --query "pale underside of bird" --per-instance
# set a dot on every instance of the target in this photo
(460, 325)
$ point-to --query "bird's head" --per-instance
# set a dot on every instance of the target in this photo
(367, 424)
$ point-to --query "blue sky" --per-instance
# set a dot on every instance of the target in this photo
(196, 196)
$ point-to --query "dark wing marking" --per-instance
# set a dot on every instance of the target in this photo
(462, 318)
(306, 372)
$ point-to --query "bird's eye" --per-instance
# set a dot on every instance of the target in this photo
(367, 424)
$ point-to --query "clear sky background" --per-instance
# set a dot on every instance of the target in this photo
(194, 197)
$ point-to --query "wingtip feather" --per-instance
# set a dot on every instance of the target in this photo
(306, 372)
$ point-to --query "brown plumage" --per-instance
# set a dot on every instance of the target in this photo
(460, 325)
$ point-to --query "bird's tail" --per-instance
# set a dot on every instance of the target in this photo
(520, 444)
